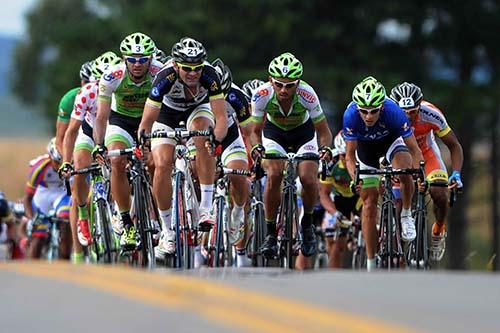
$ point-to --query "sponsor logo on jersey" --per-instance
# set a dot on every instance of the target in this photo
(349, 131)
(309, 147)
(310, 98)
(405, 126)
(214, 86)
(170, 77)
(114, 75)
(155, 92)
(259, 94)
(232, 97)
(434, 115)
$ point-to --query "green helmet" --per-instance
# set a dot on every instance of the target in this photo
(103, 62)
(137, 43)
(369, 93)
(286, 66)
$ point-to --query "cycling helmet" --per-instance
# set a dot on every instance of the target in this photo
(339, 143)
(369, 93)
(251, 85)
(286, 66)
(52, 151)
(137, 43)
(189, 51)
(407, 95)
(224, 73)
(86, 71)
(161, 56)
(103, 62)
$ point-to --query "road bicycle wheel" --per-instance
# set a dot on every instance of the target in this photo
(147, 257)
(219, 232)
(182, 255)
(256, 221)
(106, 238)
(290, 215)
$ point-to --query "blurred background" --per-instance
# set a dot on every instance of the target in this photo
(449, 48)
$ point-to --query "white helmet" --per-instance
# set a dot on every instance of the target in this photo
(52, 151)
(339, 143)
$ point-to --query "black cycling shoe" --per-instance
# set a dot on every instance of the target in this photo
(309, 242)
(269, 248)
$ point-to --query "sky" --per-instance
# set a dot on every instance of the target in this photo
(12, 16)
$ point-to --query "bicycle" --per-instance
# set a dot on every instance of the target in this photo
(50, 248)
(185, 213)
(359, 247)
(390, 248)
(288, 217)
(104, 240)
(219, 249)
(256, 217)
(143, 207)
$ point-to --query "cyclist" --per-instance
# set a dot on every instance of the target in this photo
(427, 120)
(45, 192)
(66, 105)
(294, 119)
(187, 90)
(375, 126)
(340, 206)
(78, 145)
(234, 155)
(251, 86)
(123, 90)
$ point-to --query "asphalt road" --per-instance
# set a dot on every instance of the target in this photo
(60, 297)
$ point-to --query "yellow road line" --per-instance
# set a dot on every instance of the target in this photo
(218, 302)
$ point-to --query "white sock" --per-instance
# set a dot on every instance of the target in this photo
(166, 219)
(405, 212)
(237, 212)
(207, 194)
(371, 264)
(241, 257)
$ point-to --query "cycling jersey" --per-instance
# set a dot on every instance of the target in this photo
(43, 174)
(431, 120)
(237, 104)
(127, 97)
(66, 105)
(85, 106)
(305, 106)
(338, 176)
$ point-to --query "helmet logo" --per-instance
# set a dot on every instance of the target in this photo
(285, 69)
(406, 102)
(191, 51)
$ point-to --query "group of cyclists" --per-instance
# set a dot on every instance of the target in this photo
(124, 98)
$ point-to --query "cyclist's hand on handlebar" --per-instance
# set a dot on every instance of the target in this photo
(214, 148)
(355, 188)
(326, 153)
(455, 181)
(65, 170)
(99, 153)
(257, 151)
(423, 185)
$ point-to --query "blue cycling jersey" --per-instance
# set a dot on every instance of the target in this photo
(391, 123)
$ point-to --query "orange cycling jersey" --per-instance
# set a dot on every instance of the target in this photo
(431, 120)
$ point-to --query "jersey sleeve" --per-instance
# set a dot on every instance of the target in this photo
(435, 116)
(400, 122)
(349, 123)
(259, 102)
(310, 101)
(240, 105)
(66, 105)
(110, 80)
(162, 84)
(82, 102)
(36, 174)
(210, 81)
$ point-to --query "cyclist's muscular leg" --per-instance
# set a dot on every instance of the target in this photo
(120, 188)
(440, 198)
(274, 170)
(163, 156)
(239, 184)
(308, 171)
(369, 218)
(35, 247)
(83, 159)
(402, 159)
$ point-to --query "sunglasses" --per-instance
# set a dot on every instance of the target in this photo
(371, 111)
(141, 60)
(189, 68)
(286, 85)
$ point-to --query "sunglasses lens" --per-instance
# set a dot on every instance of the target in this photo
(132, 60)
(143, 60)
(189, 69)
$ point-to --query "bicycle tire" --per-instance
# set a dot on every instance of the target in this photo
(104, 222)
(179, 219)
(290, 216)
(147, 259)
(219, 234)
(258, 235)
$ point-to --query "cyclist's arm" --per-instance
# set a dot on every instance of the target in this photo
(325, 199)
(218, 106)
(350, 157)
(27, 200)
(256, 133)
(103, 112)
(61, 128)
(324, 133)
(415, 152)
(70, 138)
(150, 115)
(457, 154)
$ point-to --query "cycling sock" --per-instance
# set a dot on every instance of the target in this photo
(241, 257)
(241, 252)
(207, 193)
(271, 227)
(166, 219)
(371, 264)
(83, 212)
(306, 220)
(77, 257)
(127, 221)
(405, 212)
